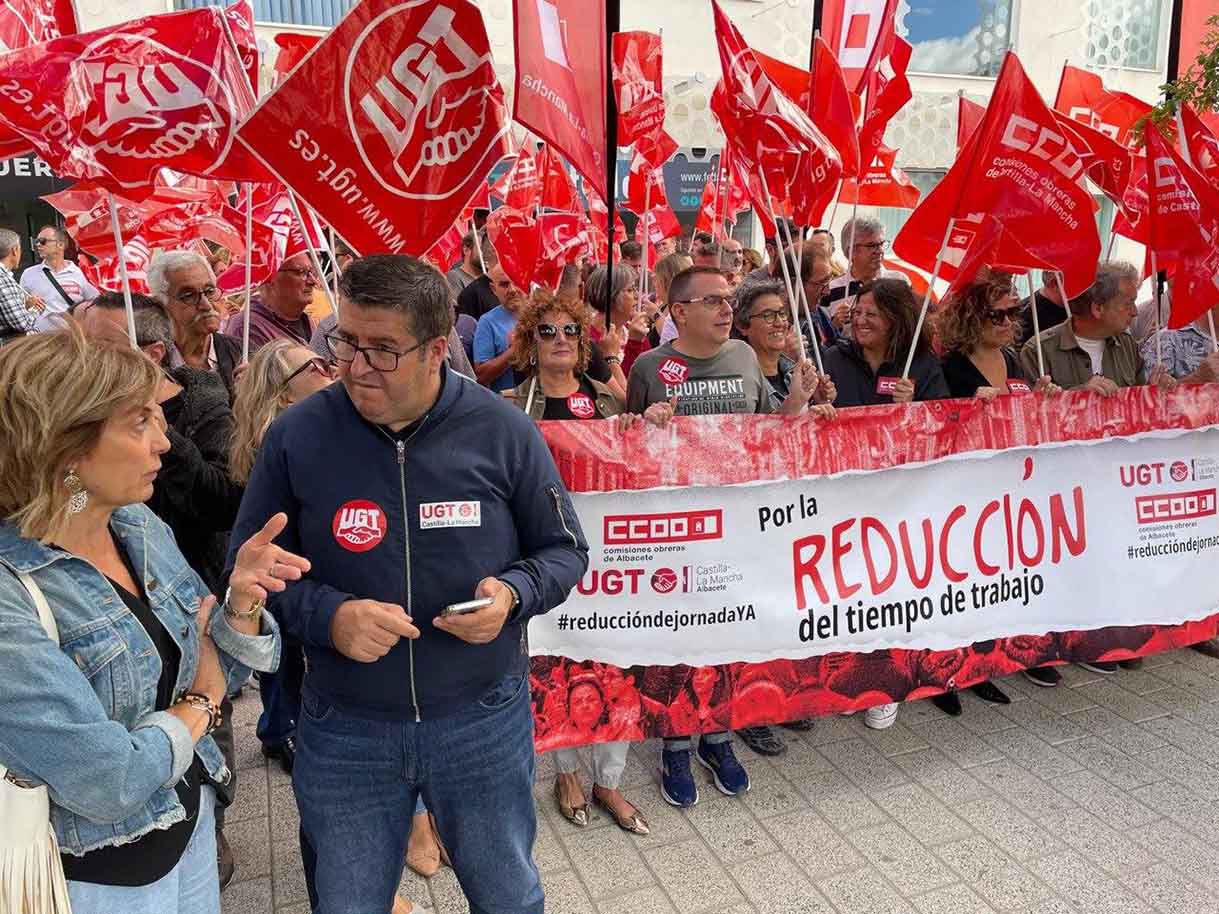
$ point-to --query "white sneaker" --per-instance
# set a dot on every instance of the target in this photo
(881, 717)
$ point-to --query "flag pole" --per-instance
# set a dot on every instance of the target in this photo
(482, 261)
(1155, 284)
(1037, 323)
(922, 314)
(791, 295)
(118, 243)
(249, 271)
(801, 293)
(313, 259)
(334, 265)
(643, 237)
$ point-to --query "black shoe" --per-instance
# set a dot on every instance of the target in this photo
(1208, 648)
(1045, 676)
(990, 692)
(285, 752)
(948, 702)
(1104, 667)
(1133, 664)
(762, 740)
(224, 860)
(799, 726)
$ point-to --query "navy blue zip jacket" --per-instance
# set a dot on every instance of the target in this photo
(474, 493)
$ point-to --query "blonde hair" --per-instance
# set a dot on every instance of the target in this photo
(668, 267)
(57, 391)
(260, 398)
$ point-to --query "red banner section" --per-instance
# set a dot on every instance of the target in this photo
(639, 702)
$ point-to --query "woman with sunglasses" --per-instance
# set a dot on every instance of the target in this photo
(978, 335)
(551, 342)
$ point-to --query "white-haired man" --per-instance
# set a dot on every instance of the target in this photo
(184, 283)
(863, 242)
(18, 308)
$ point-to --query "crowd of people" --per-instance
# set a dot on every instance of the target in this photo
(191, 518)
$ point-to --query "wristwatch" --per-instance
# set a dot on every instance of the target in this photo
(516, 598)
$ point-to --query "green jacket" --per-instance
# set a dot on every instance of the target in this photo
(607, 404)
(1069, 366)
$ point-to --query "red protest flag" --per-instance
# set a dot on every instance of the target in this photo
(521, 187)
(858, 32)
(989, 246)
(557, 191)
(264, 254)
(888, 92)
(1020, 168)
(106, 273)
(86, 211)
(561, 80)
(831, 107)
(1082, 97)
(657, 224)
(240, 17)
(1183, 228)
(24, 23)
(390, 125)
(293, 46)
(781, 153)
(638, 85)
(1202, 144)
(920, 282)
(645, 187)
(657, 148)
(1131, 219)
(517, 239)
(447, 250)
(969, 117)
(1107, 162)
(882, 184)
(118, 104)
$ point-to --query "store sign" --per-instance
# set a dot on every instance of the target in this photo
(28, 176)
(684, 178)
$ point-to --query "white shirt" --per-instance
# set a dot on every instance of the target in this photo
(212, 363)
(1095, 350)
(35, 281)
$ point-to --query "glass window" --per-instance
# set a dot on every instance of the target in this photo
(289, 12)
(958, 37)
(1123, 33)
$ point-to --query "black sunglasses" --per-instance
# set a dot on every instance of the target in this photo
(1003, 315)
(550, 331)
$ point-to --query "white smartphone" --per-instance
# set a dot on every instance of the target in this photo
(457, 609)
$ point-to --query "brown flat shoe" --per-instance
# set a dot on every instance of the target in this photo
(636, 824)
(576, 815)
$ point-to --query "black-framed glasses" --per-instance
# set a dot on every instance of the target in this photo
(550, 331)
(377, 358)
(873, 245)
(304, 272)
(711, 301)
(194, 296)
(39, 242)
(320, 365)
(772, 317)
(1003, 315)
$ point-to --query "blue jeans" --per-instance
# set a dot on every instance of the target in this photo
(357, 781)
(281, 695)
(191, 887)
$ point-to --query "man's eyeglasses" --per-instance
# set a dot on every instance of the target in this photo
(873, 245)
(303, 272)
(550, 331)
(194, 296)
(39, 242)
(711, 301)
(772, 317)
(377, 358)
(1003, 315)
(321, 366)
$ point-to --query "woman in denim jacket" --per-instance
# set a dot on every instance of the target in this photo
(115, 720)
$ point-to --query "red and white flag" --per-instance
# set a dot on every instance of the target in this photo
(293, 46)
(882, 184)
(517, 239)
(106, 274)
(638, 85)
(1107, 162)
(1202, 143)
(85, 208)
(521, 187)
(24, 23)
(1131, 219)
(1183, 229)
(832, 108)
(1082, 97)
(446, 251)
(969, 118)
(858, 32)
(1021, 169)
(557, 191)
(390, 125)
(991, 247)
(240, 17)
(561, 80)
(888, 92)
(118, 104)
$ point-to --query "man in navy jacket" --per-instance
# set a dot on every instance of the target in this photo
(411, 488)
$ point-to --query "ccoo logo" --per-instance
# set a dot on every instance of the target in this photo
(433, 116)
(359, 526)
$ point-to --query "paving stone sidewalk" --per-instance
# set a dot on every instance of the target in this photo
(1095, 797)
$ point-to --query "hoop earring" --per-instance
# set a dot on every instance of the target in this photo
(533, 358)
(78, 497)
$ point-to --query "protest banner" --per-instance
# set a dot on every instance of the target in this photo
(886, 556)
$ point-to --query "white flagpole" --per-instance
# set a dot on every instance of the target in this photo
(249, 271)
(801, 294)
(787, 280)
(118, 243)
(922, 314)
(643, 237)
(334, 265)
(1155, 286)
(317, 264)
(482, 261)
(1037, 324)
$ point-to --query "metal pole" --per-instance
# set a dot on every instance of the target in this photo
(922, 314)
(118, 243)
(249, 271)
(317, 264)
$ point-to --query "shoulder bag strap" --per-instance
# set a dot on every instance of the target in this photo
(58, 287)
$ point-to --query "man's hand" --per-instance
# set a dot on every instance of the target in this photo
(638, 326)
(34, 303)
(483, 625)
(662, 412)
(1206, 373)
(1162, 378)
(827, 391)
(365, 630)
(1099, 384)
(987, 393)
(804, 382)
(1045, 385)
(840, 313)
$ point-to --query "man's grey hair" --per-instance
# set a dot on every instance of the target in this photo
(863, 227)
(1109, 278)
(8, 240)
(166, 263)
(152, 322)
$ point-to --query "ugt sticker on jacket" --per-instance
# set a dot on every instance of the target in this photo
(434, 514)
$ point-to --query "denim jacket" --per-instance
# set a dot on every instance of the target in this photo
(80, 717)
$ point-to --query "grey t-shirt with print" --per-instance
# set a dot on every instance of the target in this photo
(731, 381)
